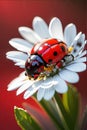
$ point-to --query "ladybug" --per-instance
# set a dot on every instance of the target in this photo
(47, 53)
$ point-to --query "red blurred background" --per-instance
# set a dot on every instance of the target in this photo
(15, 13)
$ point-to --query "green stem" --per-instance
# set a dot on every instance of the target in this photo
(60, 114)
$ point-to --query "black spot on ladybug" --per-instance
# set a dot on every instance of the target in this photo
(50, 60)
(55, 53)
(63, 48)
(79, 44)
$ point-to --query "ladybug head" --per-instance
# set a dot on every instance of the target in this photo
(34, 66)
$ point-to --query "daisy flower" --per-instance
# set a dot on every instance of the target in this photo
(54, 78)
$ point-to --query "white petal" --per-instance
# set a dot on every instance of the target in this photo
(55, 29)
(69, 76)
(16, 83)
(18, 57)
(69, 33)
(22, 75)
(21, 64)
(30, 91)
(85, 42)
(83, 59)
(76, 67)
(40, 94)
(82, 54)
(79, 39)
(49, 93)
(41, 27)
(49, 82)
(46, 85)
(24, 87)
(62, 86)
(76, 38)
(29, 34)
(21, 44)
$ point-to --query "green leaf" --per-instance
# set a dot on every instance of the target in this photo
(63, 114)
(24, 120)
(50, 108)
(71, 103)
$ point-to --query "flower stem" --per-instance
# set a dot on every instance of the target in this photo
(60, 114)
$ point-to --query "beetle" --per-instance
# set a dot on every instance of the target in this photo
(44, 54)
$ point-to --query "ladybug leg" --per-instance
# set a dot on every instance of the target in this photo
(64, 61)
(68, 58)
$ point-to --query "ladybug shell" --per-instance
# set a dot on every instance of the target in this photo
(51, 50)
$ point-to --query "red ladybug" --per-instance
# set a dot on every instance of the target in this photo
(49, 52)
